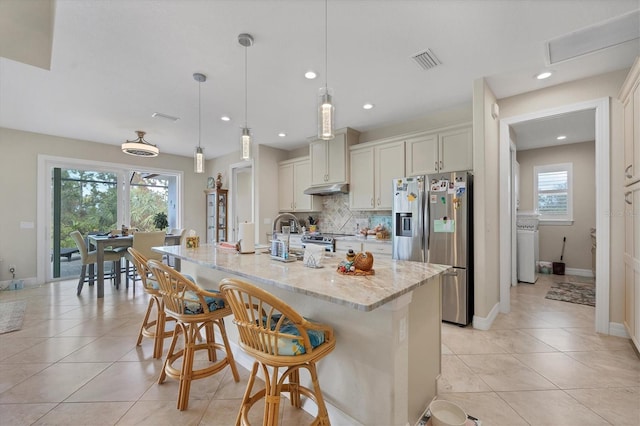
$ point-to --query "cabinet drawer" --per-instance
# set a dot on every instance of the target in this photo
(345, 246)
(377, 248)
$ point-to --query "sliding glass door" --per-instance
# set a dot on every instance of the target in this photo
(100, 198)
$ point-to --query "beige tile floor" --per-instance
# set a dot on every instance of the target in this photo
(74, 362)
(541, 364)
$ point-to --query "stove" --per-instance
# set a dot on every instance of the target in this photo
(326, 240)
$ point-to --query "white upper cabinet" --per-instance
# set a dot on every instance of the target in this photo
(422, 155)
(329, 159)
(294, 176)
(448, 150)
(455, 150)
(373, 167)
(630, 98)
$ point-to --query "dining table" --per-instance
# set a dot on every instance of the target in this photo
(100, 242)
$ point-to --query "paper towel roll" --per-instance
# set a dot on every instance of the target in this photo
(247, 237)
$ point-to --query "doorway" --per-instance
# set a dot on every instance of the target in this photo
(602, 188)
(241, 196)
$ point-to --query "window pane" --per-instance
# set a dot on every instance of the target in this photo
(552, 204)
(552, 181)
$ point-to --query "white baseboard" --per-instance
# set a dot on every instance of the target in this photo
(484, 323)
(617, 329)
(579, 272)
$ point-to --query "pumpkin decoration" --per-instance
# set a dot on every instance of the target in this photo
(363, 261)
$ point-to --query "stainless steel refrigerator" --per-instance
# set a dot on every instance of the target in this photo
(433, 222)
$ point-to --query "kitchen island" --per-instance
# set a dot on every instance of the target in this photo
(387, 326)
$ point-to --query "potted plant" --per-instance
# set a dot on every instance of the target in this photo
(160, 220)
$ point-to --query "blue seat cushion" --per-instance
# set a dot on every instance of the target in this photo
(192, 304)
(287, 346)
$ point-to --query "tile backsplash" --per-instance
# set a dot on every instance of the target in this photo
(336, 217)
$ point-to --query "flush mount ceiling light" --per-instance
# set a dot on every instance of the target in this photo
(225, 118)
(245, 40)
(561, 137)
(310, 75)
(140, 147)
(326, 109)
(198, 157)
(543, 75)
(368, 106)
(282, 134)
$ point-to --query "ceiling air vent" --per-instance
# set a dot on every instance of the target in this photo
(426, 60)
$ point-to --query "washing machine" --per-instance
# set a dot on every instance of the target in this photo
(527, 255)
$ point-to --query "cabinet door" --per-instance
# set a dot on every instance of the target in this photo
(422, 155)
(301, 181)
(389, 164)
(629, 128)
(455, 150)
(285, 187)
(318, 155)
(361, 190)
(211, 217)
(337, 159)
(377, 248)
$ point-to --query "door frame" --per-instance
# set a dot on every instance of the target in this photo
(46, 163)
(603, 202)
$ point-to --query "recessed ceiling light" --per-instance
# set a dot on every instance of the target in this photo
(561, 137)
(310, 75)
(282, 134)
(368, 106)
(225, 118)
(543, 75)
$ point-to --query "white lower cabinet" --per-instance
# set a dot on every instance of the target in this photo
(383, 249)
(632, 263)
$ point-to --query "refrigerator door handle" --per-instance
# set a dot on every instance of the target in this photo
(453, 273)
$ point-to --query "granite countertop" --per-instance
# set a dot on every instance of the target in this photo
(392, 278)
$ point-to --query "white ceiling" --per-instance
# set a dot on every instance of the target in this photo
(577, 126)
(115, 62)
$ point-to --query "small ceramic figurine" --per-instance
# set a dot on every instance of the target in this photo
(219, 181)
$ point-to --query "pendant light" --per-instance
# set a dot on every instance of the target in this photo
(245, 40)
(325, 98)
(198, 159)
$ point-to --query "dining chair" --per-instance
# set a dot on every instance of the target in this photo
(277, 336)
(194, 309)
(142, 242)
(175, 231)
(89, 258)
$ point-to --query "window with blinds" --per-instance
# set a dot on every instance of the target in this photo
(553, 192)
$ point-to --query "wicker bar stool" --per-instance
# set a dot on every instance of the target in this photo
(194, 309)
(277, 337)
(155, 328)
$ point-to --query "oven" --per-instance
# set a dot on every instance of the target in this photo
(327, 241)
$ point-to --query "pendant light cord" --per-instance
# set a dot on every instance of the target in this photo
(326, 43)
(245, 87)
(199, 113)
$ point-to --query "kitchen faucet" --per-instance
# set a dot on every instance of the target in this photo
(277, 219)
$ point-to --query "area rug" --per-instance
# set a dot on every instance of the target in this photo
(12, 315)
(581, 293)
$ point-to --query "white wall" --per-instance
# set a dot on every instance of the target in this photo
(18, 192)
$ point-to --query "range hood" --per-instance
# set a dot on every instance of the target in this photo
(329, 189)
